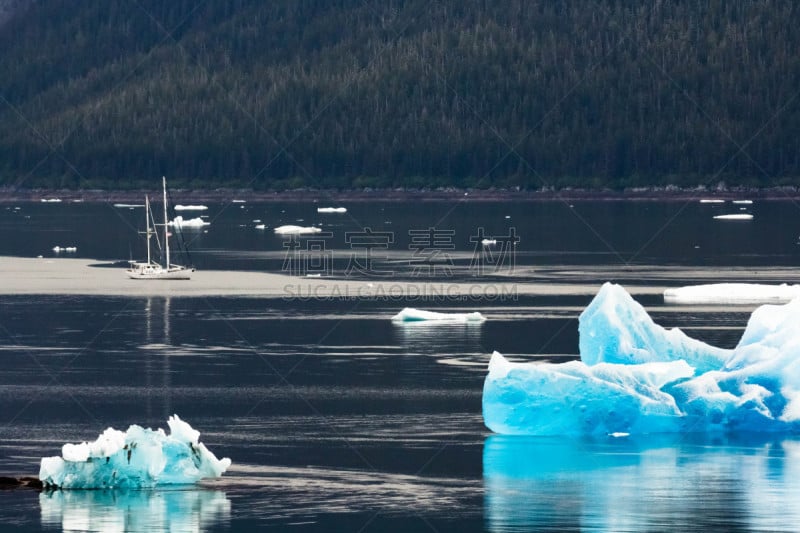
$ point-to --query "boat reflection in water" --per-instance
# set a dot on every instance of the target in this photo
(663, 483)
(179, 509)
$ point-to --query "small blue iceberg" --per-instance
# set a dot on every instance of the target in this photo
(137, 458)
(636, 377)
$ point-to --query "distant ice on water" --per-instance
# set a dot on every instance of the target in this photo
(409, 314)
(738, 216)
(198, 222)
(296, 230)
(732, 294)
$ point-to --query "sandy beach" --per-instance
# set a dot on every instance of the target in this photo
(65, 276)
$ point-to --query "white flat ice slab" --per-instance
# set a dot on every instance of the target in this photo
(732, 293)
(409, 314)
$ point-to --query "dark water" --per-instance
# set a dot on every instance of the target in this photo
(339, 420)
(550, 232)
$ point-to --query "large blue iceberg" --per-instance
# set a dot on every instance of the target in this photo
(636, 377)
(137, 458)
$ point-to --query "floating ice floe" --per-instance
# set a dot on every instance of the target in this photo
(188, 223)
(743, 202)
(68, 249)
(409, 314)
(137, 458)
(331, 210)
(296, 230)
(737, 216)
(260, 226)
(237, 201)
(489, 242)
(636, 377)
(130, 206)
(51, 200)
(712, 201)
(180, 207)
(732, 294)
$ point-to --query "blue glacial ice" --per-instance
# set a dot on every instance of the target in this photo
(137, 458)
(636, 377)
(614, 328)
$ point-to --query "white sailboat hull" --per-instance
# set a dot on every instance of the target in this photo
(156, 271)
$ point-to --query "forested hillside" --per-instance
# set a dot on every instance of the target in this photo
(389, 93)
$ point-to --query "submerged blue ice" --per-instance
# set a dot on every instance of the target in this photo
(637, 377)
(137, 458)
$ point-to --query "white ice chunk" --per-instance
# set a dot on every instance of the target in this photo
(743, 202)
(712, 201)
(138, 458)
(108, 443)
(489, 242)
(189, 223)
(260, 226)
(732, 294)
(331, 210)
(180, 207)
(738, 216)
(131, 206)
(409, 314)
(296, 230)
(51, 200)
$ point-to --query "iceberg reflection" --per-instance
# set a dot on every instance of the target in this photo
(664, 483)
(438, 336)
(182, 510)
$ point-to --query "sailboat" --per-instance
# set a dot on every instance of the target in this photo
(153, 269)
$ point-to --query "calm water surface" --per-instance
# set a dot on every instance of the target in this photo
(339, 420)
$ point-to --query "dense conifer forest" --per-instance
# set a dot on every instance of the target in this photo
(275, 94)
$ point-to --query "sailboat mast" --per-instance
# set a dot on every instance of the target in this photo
(147, 223)
(166, 221)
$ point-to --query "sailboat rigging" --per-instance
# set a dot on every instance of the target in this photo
(153, 269)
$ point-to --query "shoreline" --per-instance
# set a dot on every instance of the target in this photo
(9, 195)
